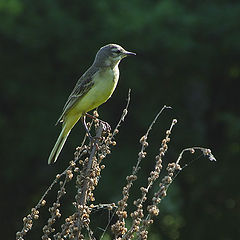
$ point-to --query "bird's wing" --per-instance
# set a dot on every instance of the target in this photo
(83, 85)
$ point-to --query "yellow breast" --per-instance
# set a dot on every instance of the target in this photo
(105, 82)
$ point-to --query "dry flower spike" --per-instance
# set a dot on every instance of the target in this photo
(85, 171)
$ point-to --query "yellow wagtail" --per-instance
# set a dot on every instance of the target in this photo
(93, 88)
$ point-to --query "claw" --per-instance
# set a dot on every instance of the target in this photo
(106, 126)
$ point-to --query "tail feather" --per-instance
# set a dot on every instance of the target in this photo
(58, 146)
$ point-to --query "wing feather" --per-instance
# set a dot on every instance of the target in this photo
(83, 85)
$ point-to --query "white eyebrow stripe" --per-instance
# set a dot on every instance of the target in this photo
(116, 49)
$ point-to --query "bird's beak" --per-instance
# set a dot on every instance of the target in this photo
(126, 53)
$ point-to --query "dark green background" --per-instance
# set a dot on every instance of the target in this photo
(188, 56)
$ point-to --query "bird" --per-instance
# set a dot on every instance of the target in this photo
(92, 89)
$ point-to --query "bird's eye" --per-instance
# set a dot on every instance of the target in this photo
(117, 51)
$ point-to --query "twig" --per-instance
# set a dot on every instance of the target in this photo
(143, 140)
(124, 114)
(119, 228)
(82, 199)
(205, 151)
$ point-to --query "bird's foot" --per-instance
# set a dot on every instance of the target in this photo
(106, 126)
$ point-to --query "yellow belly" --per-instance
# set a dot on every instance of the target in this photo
(105, 83)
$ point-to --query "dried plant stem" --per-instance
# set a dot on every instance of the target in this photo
(87, 177)
(119, 228)
(205, 151)
(143, 140)
(124, 114)
(138, 214)
(82, 199)
(86, 168)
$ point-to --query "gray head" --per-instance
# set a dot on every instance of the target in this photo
(111, 55)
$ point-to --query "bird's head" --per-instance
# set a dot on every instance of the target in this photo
(111, 55)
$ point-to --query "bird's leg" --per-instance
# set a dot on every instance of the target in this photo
(91, 138)
(85, 126)
(106, 125)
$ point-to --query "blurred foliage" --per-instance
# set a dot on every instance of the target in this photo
(188, 57)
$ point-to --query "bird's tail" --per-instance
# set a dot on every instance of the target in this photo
(58, 145)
